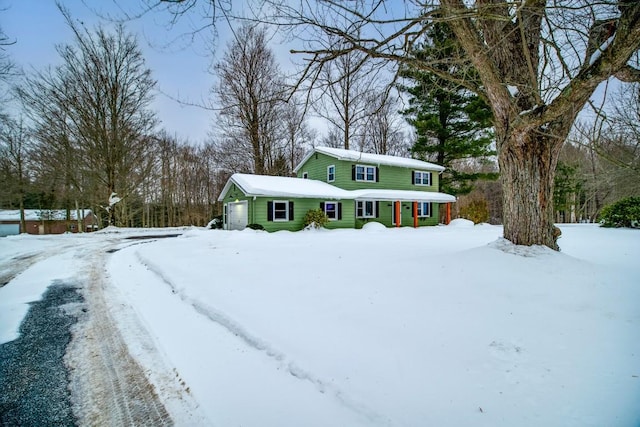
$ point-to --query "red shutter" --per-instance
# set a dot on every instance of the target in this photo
(339, 211)
(269, 211)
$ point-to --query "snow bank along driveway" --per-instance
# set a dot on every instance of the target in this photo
(91, 380)
(440, 326)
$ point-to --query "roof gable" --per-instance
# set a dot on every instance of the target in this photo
(376, 159)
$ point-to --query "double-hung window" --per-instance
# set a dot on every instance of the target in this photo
(421, 178)
(332, 210)
(424, 209)
(331, 173)
(365, 209)
(280, 210)
(365, 173)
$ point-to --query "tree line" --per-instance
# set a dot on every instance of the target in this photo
(85, 130)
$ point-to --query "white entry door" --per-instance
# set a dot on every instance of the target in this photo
(237, 215)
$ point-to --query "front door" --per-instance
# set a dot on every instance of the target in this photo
(237, 215)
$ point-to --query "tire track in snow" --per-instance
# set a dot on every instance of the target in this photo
(256, 343)
(22, 261)
(108, 386)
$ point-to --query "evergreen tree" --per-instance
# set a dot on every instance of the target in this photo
(452, 124)
(568, 192)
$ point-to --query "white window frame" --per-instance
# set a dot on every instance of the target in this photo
(305, 175)
(335, 212)
(421, 205)
(329, 179)
(365, 169)
(286, 211)
(419, 178)
(364, 208)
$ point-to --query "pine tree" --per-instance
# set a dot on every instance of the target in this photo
(452, 124)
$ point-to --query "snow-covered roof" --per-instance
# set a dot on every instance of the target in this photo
(280, 186)
(376, 159)
(403, 195)
(40, 214)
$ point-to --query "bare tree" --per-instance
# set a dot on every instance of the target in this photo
(600, 163)
(537, 65)
(183, 185)
(621, 145)
(383, 132)
(7, 65)
(297, 132)
(333, 138)
(98, 99)
(251, 93)
(345, 86)
(13, 164)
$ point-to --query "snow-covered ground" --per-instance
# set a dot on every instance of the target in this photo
(442, 326)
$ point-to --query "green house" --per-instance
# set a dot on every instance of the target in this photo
(352, 188)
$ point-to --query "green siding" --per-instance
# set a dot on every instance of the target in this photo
(390, 177)
(301, 206)
(234, 194)
(258, 212)
(385, 215)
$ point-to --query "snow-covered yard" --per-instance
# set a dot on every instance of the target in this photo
(441, 326)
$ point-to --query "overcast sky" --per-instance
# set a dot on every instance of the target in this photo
(181, 69)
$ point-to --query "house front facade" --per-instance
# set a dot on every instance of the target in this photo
(352, 188)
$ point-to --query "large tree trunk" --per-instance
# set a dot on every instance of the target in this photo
(527, 168)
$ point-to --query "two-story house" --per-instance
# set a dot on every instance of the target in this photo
(352, 188)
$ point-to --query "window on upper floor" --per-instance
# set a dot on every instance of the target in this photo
(331, 173)
(365, 173)
(305, 175)
(421, 178)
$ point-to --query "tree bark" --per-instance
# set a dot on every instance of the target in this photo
(527, 169)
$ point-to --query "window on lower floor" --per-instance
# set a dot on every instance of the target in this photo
(365, 209)
(333, 210)
(424, 209)
(280, 210)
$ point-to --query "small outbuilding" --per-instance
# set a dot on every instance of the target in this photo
(46, 221)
